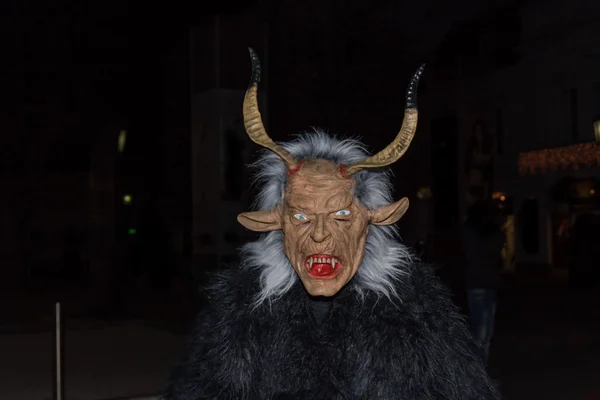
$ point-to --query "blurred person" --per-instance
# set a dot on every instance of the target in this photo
(479, 164)
(483, 241)
(421, 248)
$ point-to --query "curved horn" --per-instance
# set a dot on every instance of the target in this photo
(253, 120)
(398, 147)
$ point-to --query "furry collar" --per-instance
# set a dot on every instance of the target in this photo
(365, 348)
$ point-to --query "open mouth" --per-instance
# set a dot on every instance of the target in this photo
(323, 266)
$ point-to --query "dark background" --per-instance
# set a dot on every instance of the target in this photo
(73, 71)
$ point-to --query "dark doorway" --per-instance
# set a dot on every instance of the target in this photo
(530, 226)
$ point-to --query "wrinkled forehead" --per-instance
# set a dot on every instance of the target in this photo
(319, 183)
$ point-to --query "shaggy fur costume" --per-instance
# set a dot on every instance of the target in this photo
(367, 347)
(391, 333)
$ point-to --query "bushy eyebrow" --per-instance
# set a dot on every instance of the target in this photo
(311, 210)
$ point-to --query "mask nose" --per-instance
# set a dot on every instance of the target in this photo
(320, 232)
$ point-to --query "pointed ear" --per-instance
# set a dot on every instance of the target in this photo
(390, 214)
(261, 221)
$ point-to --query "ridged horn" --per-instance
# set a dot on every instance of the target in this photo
(253, 120)
(395, 150)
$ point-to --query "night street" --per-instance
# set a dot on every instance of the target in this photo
(326, 147)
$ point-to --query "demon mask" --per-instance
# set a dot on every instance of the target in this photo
(324, 226)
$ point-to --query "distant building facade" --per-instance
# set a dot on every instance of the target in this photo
(531, 82)
(220, 148)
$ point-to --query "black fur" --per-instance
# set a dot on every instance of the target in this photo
(366, 348)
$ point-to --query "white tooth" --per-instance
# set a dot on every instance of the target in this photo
(333, 262)
(320, 261)
(311, 263)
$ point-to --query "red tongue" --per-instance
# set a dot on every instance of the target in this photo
(322, 269)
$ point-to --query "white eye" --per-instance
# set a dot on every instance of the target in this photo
(301, 217)
(343, 212)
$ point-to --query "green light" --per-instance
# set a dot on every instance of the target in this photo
(132, 231)
(127, 199)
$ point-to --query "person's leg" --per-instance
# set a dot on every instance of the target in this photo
(489, 316)
(476, 299)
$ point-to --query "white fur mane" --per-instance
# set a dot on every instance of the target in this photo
(385, 259)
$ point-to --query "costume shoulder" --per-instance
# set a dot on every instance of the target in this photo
(456, 373)
(215, 363)
(427, 335)
(426, 289)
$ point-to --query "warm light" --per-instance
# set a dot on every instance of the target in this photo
(121, 141)
(127, 199)
(498, 196)
(561, 158)
(424, 193)
(502, 198)
(592, 192)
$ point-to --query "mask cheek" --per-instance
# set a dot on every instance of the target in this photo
(290, 251)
